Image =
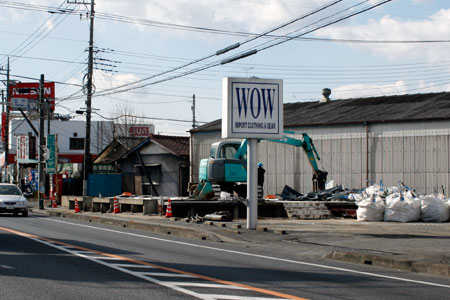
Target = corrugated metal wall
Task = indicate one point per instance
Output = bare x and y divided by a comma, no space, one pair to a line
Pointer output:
415,153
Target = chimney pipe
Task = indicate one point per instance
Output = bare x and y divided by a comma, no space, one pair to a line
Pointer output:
326,92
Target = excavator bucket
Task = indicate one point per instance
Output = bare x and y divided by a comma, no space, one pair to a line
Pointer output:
204,191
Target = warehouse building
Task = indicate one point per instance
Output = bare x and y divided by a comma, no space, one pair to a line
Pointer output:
360,141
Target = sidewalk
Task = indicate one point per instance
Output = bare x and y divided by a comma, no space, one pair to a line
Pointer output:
415,247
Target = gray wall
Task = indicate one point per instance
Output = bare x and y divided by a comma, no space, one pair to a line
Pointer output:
415,153
170,171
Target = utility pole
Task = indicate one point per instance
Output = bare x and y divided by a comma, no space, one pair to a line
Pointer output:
7,123
193,112
87,162
41,142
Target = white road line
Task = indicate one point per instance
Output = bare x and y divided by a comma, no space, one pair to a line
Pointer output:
257,255
98,257
159,274
133,266
112,266
209,285
231,297
6,267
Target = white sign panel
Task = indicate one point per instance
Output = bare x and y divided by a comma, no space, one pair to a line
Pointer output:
18,103
252,108
22,148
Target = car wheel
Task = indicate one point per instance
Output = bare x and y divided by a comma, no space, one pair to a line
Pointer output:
15,214
25,214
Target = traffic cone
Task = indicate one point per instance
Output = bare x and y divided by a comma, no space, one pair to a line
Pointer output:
169,209
77,209
116,206
54,205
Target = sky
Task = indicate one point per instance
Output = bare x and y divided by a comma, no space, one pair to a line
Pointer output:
152,57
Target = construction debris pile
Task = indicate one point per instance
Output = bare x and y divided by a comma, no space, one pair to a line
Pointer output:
399,204
333,193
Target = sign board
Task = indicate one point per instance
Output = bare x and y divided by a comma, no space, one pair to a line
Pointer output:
139,131
52,145
252,108
22,148
19,103
25,95
25,149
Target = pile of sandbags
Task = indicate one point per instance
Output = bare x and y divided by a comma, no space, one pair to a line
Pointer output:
398,204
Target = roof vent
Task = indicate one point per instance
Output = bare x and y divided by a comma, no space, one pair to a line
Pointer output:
326,92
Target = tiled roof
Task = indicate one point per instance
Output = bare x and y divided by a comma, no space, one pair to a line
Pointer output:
117,148
414,107
178,145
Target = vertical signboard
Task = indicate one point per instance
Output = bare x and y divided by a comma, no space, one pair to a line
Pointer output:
52,145
252,108
23,154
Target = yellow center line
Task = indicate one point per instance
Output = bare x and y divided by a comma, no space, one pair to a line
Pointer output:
132,260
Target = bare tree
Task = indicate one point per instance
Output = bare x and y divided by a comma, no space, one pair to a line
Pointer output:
126,118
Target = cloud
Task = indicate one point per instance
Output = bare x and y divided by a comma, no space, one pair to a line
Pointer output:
399,87
104,80
363,90
253,16
436,27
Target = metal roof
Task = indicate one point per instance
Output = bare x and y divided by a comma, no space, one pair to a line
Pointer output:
396,108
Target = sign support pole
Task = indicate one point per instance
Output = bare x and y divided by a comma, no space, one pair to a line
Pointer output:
252,184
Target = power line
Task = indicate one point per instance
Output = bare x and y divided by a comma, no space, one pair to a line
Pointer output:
229,59
36,79
37,36
44,59
224,50
147,118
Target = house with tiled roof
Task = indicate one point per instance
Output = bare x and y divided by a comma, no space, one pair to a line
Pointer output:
156,165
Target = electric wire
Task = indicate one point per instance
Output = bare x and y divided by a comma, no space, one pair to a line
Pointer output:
37,36
202,68
214,54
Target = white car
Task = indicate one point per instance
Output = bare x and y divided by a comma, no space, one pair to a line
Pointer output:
12,200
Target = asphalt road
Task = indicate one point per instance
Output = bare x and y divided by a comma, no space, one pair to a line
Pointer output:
54,258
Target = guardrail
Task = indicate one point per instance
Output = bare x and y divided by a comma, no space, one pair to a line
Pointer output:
145,205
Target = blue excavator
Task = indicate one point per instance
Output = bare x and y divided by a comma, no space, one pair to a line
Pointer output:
226,168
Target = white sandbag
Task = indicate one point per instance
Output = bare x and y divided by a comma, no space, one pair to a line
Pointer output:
373,189
380,190
434,208
370,208
402,207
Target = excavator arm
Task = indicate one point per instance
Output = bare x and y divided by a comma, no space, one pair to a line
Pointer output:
307,145
319,177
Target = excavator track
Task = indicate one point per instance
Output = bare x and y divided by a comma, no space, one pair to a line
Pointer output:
217,190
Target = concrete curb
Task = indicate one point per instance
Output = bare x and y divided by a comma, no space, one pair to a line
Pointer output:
393,263
192,233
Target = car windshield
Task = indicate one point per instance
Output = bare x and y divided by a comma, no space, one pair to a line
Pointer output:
9,190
